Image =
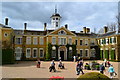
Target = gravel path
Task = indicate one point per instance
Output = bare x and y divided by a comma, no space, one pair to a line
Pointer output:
27,69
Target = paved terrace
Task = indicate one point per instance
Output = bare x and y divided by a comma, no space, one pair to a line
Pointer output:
27,69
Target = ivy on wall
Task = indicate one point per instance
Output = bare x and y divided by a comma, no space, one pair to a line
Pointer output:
106,54
48,51
56,51
101,54
74,50
112,53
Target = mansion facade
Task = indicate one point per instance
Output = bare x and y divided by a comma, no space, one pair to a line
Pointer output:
60,43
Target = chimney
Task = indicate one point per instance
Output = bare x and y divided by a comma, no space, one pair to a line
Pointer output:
45,25
84,29
88,30
105,29
25,26
6,21
66,26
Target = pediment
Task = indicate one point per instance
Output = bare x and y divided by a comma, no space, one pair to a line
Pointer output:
62,31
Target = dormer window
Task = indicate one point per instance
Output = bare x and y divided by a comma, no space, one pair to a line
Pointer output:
62,32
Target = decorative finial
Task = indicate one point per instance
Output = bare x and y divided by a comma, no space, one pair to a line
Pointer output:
55,9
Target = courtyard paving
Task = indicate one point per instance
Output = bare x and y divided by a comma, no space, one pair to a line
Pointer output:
27,69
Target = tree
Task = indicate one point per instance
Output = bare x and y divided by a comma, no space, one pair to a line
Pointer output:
118,21
101,30
111,26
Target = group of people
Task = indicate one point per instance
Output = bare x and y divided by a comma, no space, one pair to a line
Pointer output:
110,68
52,65
79,66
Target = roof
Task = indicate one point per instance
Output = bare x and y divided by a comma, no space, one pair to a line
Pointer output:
107,34
93,35
56,14
4,26
32,32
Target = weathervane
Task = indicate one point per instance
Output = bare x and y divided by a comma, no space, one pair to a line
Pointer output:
55,9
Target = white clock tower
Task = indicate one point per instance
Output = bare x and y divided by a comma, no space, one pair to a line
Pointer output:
55,20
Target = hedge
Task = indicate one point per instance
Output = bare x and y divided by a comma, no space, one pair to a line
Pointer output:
8,56
93,76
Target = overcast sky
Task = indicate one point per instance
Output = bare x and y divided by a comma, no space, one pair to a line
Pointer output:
75,14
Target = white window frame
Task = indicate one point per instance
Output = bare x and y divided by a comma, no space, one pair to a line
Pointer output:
28,40
53,42
113,40
39,52
62,42
86,42
20,40
36,52
52,55
82,52
82,42
41,40
106,41
93,50
75,41
87,52
70,41
19,52
101,40
35,42
27,53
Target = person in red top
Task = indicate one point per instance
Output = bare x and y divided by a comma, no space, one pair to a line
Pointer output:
108,64
38,63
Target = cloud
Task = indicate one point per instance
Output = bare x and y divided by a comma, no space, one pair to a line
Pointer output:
75,14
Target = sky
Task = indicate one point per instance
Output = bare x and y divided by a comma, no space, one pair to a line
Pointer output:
76,14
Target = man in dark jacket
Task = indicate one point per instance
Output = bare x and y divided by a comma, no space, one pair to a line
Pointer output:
102,68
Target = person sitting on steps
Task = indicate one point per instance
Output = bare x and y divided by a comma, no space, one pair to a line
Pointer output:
60,65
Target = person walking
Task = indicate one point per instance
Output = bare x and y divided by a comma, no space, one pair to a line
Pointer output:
52,66
111,71
105,62
79,68
38,63
74,58
102,68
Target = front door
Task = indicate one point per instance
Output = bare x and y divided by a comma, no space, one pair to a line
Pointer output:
62,55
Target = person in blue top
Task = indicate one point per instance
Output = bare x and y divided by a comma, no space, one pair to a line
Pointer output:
111,71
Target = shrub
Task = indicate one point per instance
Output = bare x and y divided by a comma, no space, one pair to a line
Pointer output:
8,56
93,76
97,67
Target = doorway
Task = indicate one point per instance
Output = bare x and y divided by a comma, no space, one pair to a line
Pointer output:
62,55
